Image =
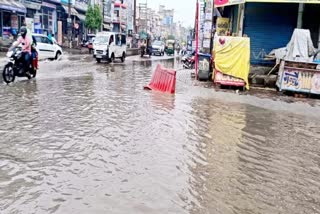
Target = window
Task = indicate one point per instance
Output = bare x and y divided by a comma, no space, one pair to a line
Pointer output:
38,39
111,40
123,39
118,39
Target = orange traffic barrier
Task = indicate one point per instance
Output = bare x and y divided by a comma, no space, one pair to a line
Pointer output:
163,80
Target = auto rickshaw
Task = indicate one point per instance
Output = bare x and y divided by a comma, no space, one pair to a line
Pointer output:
170,47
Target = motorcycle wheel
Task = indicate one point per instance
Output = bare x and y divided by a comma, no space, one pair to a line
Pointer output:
34,74
8,74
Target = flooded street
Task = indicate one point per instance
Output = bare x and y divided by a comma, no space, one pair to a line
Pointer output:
86,138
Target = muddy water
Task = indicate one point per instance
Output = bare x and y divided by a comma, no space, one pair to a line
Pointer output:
85,138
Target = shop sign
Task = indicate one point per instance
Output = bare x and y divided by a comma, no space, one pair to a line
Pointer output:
14,21
33,4
295,80
315,84
46,4
81,4
222,26
66,2
29,23
36,18
222,3
108,10
60,32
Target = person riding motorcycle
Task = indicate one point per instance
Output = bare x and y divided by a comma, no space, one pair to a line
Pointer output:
25,41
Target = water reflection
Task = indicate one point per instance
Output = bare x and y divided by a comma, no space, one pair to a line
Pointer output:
89,139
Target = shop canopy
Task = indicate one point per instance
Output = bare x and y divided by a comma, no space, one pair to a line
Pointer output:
222,3
74,12
12,5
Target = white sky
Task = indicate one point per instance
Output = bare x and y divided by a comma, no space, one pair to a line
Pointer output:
184,9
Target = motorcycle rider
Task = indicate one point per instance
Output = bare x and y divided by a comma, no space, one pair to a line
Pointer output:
26,48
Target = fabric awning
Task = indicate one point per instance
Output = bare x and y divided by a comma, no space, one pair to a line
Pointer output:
74,12
12,6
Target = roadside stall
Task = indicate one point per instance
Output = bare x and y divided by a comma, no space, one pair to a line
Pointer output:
231,61
170,47
298,71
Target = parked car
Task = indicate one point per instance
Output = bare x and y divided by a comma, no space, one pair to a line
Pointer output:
89,43
158,48
46,48
110,46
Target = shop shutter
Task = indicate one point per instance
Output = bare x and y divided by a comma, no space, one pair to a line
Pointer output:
269,26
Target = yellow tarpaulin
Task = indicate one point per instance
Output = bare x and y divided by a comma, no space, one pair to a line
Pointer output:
232,56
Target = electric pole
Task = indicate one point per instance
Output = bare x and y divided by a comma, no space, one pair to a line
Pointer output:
69,23
135,16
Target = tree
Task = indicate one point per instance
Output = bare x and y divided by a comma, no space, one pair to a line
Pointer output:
93,18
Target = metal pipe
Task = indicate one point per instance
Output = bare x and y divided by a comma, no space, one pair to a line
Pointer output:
300,15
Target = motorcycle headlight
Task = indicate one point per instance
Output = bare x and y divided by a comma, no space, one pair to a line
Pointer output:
9,54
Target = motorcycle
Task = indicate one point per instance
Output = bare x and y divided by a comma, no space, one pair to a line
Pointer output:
147,51
15,67
189,62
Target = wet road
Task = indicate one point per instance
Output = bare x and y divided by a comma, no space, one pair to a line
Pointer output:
85,138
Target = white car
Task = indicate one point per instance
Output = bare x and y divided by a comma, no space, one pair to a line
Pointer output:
46,48
158,48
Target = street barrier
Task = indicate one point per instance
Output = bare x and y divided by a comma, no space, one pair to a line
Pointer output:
163,80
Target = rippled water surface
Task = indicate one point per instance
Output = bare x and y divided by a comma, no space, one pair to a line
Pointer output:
85,138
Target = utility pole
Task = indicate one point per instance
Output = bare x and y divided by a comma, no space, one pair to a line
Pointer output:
69,24
135,16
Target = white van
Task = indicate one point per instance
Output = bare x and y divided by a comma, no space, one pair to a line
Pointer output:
110,46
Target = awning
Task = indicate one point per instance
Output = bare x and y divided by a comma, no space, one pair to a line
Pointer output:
81,17
12,6
223,3
73,11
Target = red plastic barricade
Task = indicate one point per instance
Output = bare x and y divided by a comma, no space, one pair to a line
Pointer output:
163,80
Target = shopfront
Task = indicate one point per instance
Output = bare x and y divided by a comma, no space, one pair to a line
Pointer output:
12,15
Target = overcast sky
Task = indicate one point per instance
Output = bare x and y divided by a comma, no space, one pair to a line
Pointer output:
185,13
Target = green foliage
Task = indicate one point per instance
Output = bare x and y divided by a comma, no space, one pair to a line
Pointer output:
93,18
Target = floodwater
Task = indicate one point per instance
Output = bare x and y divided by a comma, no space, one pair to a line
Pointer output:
85,138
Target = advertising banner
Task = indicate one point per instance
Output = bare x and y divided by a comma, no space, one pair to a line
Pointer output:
222,3
107,10
222,26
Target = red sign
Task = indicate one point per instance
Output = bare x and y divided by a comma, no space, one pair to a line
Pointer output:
221,3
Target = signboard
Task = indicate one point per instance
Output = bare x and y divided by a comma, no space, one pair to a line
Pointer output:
14,21
222,3
315,84
33,4
60,32
300,81
108,10
222,26
29,23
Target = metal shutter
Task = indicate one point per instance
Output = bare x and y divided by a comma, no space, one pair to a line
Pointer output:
269,26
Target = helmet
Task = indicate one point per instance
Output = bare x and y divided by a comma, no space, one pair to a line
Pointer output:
23,31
